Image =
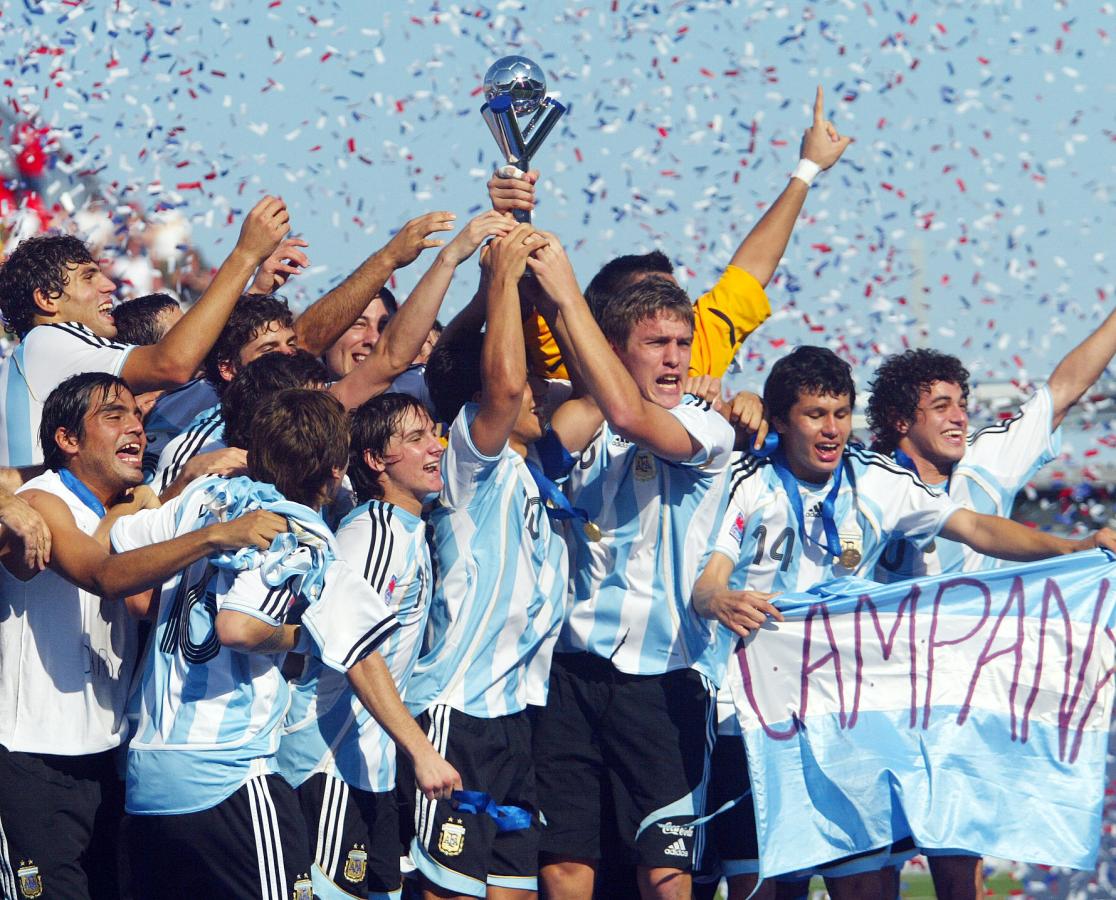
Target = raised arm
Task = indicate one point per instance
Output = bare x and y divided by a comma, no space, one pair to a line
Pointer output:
1005,539
503,357
407,330
177,357
374,687
607,380
760,251
1081,368
324,322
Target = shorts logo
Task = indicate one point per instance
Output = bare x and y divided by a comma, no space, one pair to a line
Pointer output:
356,865
678,848
303,889
30,881
644,466
451,840
671,828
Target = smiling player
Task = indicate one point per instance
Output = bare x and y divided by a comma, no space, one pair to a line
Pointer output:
815,509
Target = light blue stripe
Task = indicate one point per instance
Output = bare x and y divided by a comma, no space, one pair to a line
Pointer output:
970,787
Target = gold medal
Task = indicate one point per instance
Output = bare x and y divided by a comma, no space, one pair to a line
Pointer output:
850,557
592,531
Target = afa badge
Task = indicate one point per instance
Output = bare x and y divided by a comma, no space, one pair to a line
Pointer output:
303,889
356,865
30,881
644,466
451,839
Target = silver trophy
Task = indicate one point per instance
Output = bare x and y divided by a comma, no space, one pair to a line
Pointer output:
515,86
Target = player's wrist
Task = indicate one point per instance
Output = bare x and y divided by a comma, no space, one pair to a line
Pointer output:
806,170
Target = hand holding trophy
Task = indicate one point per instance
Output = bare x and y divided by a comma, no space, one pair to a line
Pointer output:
515,86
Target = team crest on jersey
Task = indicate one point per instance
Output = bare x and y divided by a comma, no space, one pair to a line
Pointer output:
644,466
356,864
737,530
390,589
303,889
30,881
451,839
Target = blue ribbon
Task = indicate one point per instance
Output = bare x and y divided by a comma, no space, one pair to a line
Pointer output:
507,818
832,543
79,490
907,463
556,504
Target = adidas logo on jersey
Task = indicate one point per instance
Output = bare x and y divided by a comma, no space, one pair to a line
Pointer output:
678,848
814,511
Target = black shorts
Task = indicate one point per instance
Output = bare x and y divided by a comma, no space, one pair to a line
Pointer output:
733,832
250,845
59,821
354,838
639,743
464,852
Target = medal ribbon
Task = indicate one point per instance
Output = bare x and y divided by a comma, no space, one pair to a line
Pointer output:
832,543
79,490
556,504
907,463
507,818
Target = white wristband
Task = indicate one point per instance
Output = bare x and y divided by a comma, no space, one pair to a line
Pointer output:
806,170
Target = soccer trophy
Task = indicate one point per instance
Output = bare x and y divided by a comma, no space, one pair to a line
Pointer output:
515,86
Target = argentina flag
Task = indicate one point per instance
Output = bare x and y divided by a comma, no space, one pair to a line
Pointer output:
968,711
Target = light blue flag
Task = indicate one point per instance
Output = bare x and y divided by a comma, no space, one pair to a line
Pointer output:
969,711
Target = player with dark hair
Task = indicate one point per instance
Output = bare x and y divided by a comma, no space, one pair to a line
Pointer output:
918,413
340,759
202,767
68,646
816,509
145,320
59,302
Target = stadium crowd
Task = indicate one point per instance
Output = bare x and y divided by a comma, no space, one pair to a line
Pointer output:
355,605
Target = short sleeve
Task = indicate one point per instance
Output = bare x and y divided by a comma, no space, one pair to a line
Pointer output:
735,307
730,533
463,466
1014,449
249,594
348,620
146,527
915,512
55,352
709,429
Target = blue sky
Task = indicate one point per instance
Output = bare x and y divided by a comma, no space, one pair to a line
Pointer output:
973,212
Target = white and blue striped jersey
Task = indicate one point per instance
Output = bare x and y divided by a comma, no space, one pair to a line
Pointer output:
998,462
631,590
47,356
204,434
66,655
500,591
878,501
210,717
327,728
171,415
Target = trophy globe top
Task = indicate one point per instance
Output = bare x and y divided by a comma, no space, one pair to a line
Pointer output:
519,77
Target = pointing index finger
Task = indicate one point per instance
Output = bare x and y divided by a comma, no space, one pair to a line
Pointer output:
819,107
